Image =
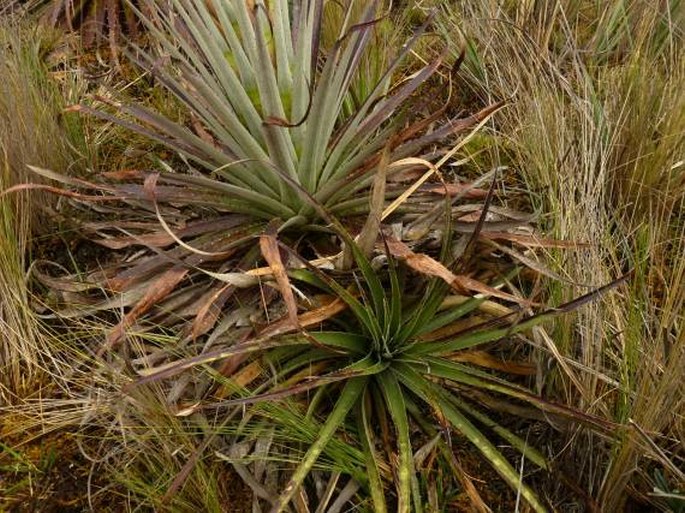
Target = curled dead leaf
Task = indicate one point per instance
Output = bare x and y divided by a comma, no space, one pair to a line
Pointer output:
269,247
431,267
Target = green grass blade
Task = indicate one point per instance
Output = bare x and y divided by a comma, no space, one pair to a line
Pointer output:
395,308
451,315
287,362
439,320
477,378
372,281
469,340
499,463
425,310
460,373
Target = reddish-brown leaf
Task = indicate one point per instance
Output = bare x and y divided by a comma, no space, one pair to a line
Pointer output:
431,267
305,320
484,359
269,246
210,310
157,291
455,189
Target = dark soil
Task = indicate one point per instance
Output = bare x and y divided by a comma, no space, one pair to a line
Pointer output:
51,477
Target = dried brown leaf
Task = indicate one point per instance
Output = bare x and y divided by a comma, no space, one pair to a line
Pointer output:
431,267
157,291
210,310
534,241
307,319
369,233
484,359
269,247
456,189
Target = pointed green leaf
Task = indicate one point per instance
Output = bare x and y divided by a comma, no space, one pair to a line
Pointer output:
348,398
366,437
435,397
394,400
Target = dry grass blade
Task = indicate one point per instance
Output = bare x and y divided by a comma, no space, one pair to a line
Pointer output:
479,119
533,264
590,82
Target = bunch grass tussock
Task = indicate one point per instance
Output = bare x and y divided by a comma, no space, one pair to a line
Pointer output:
33,131
596,127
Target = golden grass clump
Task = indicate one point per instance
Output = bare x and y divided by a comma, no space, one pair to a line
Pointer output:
595,125
33,131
